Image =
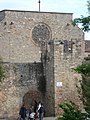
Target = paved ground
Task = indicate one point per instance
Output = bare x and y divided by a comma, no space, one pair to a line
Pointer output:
49,118
45,118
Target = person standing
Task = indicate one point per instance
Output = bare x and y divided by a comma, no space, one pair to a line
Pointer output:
22,112
35,106
39,105
41,112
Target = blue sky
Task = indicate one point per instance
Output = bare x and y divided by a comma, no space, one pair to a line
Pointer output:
77,7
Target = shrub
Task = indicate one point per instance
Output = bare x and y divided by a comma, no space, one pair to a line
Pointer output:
84,70
71,112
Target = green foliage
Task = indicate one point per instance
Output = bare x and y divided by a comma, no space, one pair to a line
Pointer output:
88,5
71,112
85,85
2,72
83,69
87,108
85,21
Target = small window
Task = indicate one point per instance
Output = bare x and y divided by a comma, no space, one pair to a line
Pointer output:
68,46
65,46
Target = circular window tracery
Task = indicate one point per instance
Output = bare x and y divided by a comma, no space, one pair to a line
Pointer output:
40,33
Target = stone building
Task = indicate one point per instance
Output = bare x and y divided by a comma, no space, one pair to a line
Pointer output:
38,51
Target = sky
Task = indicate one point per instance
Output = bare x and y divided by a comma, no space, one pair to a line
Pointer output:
77,7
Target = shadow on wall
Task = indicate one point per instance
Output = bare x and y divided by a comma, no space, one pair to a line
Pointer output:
30,97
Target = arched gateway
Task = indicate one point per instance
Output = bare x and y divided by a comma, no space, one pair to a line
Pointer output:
30,97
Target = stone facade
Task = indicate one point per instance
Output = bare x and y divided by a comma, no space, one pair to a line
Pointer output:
87,48
36,46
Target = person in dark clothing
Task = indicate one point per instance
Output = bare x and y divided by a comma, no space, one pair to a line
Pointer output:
35,106
22,112
41,112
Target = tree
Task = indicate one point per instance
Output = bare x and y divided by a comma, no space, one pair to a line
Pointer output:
85,21
88,5
84,70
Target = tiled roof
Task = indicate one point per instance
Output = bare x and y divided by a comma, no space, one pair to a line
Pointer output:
87,45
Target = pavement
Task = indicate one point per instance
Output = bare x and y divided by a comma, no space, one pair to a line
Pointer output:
49,118
45,118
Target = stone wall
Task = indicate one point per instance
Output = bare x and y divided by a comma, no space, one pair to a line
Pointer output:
66,57
19,81
28,40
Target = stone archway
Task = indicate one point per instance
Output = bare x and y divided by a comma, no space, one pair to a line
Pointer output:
30,96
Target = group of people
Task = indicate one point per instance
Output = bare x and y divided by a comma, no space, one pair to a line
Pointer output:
37,112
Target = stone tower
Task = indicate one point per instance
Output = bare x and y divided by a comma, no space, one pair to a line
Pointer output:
38,51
